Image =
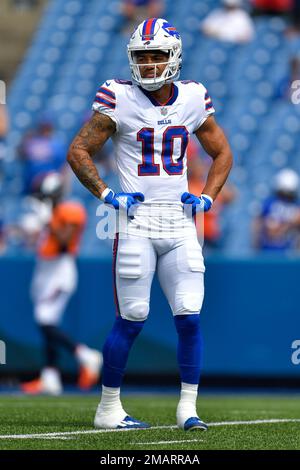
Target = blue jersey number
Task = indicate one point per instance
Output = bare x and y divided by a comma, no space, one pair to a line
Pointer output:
148,167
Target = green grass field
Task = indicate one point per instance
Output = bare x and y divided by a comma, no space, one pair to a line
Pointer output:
35,423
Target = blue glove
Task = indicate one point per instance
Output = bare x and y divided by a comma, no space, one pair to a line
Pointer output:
202,203
121,200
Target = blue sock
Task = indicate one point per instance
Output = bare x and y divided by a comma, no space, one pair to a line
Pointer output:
116,350
189,347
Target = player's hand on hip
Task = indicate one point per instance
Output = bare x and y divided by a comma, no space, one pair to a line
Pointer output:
121,200
201,203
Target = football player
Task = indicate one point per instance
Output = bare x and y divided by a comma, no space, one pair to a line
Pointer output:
54,282
150,119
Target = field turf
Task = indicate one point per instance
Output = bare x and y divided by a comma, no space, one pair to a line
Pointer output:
66,422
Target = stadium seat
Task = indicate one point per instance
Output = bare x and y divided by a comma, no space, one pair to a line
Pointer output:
80,44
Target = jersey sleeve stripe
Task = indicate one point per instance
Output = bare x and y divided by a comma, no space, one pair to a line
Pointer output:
104,102
105,97
208,102
107,92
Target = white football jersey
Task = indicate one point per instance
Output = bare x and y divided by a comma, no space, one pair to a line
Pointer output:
150,147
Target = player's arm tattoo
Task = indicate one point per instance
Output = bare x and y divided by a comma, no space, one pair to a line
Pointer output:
87,142
214,142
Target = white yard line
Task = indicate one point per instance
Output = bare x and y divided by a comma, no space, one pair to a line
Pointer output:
44,405
256,421
60,438
166,442
103,431
76,433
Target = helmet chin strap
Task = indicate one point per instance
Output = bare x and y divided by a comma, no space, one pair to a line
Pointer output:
152,86
157,86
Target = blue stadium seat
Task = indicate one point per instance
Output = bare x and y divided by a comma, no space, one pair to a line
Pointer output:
80,44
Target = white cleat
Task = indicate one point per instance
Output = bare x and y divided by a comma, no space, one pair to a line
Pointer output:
194,423
188,419
48,383
109,420
91,362
51,382
112,422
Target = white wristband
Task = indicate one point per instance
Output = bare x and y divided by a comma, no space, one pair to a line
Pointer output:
105,193
208,197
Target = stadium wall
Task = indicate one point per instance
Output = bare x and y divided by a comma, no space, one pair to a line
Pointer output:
250,318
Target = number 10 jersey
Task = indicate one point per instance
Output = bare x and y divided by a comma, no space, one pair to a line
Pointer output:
150,144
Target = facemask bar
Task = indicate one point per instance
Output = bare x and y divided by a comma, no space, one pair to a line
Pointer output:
171,72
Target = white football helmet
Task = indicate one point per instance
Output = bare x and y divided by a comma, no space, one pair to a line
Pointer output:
287,181
155,34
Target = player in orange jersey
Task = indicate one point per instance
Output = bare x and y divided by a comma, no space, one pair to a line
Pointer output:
54,282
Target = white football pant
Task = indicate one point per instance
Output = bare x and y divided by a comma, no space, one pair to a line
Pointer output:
54,282
180,268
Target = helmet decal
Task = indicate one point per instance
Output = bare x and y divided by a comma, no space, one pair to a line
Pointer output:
170,30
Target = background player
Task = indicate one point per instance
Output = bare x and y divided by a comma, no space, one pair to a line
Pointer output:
54,282
150,120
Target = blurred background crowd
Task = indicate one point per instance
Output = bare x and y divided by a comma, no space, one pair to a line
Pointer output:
247,53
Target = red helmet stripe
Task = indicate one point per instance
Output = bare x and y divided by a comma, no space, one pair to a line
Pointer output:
148,28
